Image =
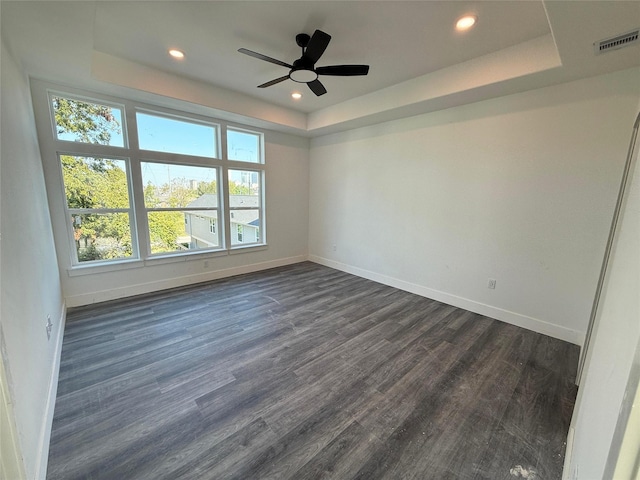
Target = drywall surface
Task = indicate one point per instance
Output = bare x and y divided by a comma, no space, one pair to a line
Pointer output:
31,288
11,464
519,189
615,339
287,197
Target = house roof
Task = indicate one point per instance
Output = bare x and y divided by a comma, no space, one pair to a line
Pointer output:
243,217
210,200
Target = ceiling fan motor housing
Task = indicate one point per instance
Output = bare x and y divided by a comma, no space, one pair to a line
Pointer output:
302,39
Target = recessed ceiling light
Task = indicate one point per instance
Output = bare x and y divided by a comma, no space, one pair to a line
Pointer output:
466,22
296,95
175,53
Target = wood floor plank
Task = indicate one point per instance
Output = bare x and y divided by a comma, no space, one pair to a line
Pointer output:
339,457
532,431
205,459
303,372
302,442
423,441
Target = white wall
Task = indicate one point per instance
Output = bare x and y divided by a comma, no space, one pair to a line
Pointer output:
519,188
30,281
287,200
615,341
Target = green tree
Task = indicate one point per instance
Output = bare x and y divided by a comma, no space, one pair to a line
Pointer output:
150,195
89,122
77,186
239,189
178,193
164,230
207,187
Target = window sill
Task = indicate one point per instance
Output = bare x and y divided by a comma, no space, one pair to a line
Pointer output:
79,270
247,248
183,257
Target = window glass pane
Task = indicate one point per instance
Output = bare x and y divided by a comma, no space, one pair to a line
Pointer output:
243,146
244,193
245,226
104,236
95,182
163,134
177,186
182,231
244,188
86,122
199,225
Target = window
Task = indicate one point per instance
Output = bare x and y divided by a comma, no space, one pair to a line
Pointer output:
99,206
243,146
86,122
164,134
245,203
173,192
165,197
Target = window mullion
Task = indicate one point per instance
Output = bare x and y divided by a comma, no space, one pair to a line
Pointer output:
224,190
139,215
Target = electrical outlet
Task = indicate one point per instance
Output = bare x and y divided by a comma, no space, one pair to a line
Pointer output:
206,264
491,283
334,247
49,327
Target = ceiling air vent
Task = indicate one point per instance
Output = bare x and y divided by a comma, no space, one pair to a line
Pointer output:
619,41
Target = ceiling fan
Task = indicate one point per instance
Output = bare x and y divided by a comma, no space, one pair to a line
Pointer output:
303,69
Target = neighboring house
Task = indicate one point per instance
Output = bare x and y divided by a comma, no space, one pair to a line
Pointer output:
203,226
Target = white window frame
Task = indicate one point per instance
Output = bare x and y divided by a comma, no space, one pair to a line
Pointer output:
247,167
185,209
72,211
52,147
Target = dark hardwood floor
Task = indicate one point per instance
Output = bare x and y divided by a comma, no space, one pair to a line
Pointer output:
305,372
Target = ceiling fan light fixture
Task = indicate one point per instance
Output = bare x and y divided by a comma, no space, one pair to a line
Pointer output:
466,22
303,75
175,53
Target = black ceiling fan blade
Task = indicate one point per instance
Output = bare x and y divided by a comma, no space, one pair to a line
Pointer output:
264,57
317,87
343,70
317,45
273,82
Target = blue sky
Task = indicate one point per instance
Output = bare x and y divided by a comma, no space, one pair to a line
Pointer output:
175,136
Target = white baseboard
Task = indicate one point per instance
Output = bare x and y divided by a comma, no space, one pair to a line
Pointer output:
524,321
131,290
45,430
